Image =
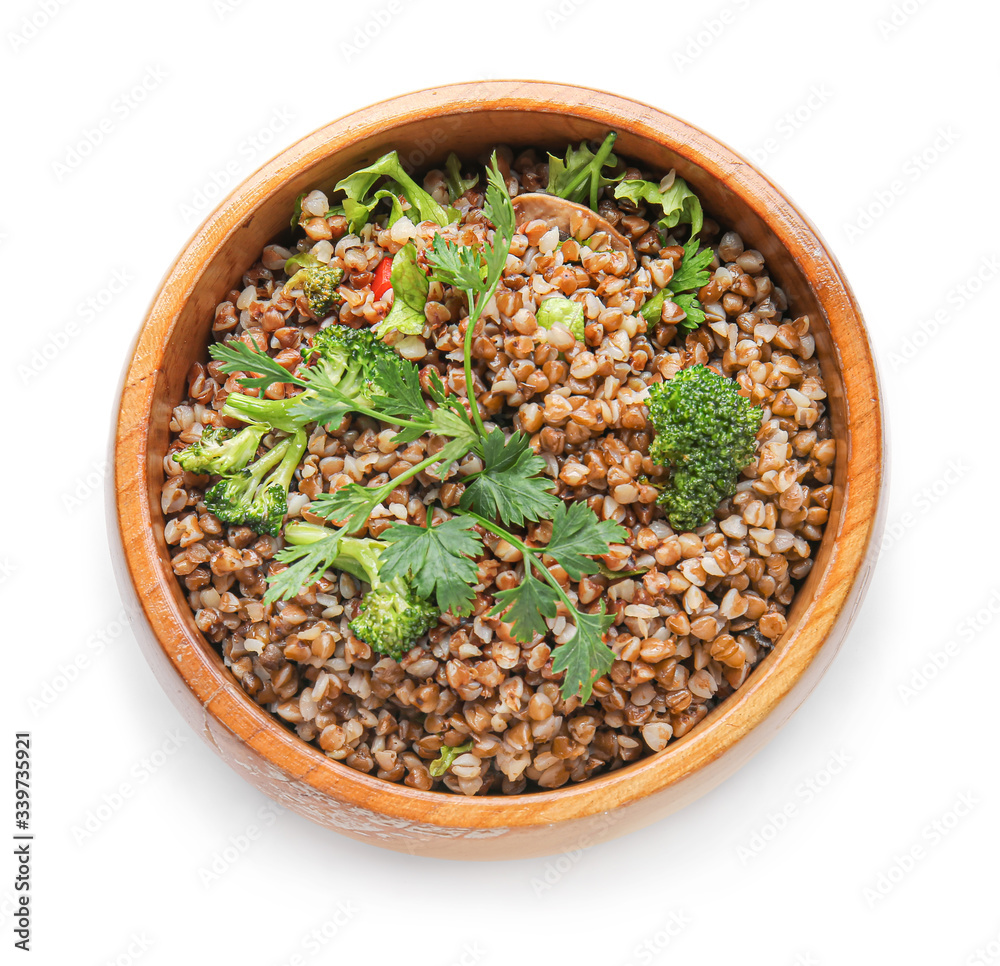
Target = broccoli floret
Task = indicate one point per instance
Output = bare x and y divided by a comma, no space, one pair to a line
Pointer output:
340,378
348,358
252,497
705,433
319,286
393,617
221,451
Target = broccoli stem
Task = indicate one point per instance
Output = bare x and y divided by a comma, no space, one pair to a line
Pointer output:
392,616
276,413
281,413
358,556
290,461
300,533
269,460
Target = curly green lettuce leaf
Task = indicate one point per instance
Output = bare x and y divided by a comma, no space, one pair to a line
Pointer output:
358,213
567,313
356,187
297,210
679,203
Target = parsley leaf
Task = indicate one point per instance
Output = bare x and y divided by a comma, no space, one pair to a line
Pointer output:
499,210
577,531
401,385
467,268
477,273
692,273
578,177
527,605
508,486
439,560
237,356
352,505
585,656
306,564
456,265
694,314
409,287
405,400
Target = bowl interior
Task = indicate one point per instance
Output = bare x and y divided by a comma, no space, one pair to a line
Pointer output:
258,212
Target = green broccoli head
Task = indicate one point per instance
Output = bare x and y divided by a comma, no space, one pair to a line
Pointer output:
257,497
319,285
269,508
393,617
350,360
343,376
221,451
705,433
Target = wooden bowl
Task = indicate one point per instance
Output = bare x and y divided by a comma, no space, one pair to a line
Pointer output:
424,127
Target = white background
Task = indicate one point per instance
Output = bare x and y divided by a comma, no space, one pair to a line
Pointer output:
867,830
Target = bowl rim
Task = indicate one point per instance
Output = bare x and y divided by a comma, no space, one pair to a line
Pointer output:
773,678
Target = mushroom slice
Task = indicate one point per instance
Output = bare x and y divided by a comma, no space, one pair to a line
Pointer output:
572,220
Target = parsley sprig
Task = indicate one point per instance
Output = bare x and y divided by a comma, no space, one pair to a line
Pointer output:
440,557
691,275
576,533
477,272
398,401
237,356
352,505
306,563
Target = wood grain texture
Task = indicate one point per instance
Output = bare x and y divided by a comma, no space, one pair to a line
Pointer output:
424,127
